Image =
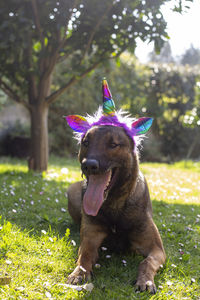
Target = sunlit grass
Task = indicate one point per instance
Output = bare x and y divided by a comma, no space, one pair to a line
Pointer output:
178,183
39,243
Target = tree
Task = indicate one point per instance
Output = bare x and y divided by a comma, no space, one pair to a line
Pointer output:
191,57
165,55
36,35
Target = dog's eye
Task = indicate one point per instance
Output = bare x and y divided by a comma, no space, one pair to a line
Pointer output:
85,143
113,145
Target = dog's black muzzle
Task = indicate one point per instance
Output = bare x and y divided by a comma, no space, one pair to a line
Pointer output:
90,166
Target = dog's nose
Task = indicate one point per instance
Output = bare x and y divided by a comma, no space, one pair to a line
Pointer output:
90,165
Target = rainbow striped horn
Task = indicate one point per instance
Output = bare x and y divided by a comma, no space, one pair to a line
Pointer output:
108,103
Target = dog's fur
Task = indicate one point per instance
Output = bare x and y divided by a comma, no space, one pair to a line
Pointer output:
126,213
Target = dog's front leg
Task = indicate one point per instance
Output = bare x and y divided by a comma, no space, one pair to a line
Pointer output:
147,270
149,244
91,238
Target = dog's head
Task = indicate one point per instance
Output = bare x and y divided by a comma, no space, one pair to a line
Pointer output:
107,150
106,155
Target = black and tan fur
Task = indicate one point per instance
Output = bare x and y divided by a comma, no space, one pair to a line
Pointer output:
126,213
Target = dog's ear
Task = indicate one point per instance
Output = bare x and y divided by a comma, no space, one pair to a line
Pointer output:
77,123
141,126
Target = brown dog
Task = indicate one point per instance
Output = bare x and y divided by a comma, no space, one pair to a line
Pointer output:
114,201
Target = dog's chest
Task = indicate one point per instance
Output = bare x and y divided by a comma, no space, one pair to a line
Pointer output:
116,223
122,223
119,229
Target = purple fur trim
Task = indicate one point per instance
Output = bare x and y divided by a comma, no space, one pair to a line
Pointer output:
120,119
113,121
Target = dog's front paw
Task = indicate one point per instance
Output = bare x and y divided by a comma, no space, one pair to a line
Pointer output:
145,285
78,276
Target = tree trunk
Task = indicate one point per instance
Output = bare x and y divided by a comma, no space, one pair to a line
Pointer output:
38,160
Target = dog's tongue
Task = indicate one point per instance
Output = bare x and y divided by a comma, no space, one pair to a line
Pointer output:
94,195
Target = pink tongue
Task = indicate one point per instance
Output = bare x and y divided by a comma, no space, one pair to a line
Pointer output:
94,195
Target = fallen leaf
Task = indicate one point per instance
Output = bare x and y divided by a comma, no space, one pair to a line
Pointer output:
88,287
44,231
97,266
20,288
8,262
48,295
73,242
103,248
71,286
169,283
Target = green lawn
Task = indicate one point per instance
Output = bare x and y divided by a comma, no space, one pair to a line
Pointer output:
39,242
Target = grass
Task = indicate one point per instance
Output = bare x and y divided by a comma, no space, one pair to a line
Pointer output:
39,243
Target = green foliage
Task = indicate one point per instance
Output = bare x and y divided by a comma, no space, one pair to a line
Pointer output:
36,35
82,98
47,44
173,90
167,92
36,233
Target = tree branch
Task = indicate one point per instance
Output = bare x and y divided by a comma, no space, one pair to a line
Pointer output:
52,98
67,24
61,42
49,64
37,22
12,94
63,58
96,28
31,77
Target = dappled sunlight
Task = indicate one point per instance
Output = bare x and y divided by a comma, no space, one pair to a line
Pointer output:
33,201
65,170
34,263
40,198
64,175
9,167
171,184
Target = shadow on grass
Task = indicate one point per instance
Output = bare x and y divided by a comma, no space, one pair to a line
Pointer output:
34,204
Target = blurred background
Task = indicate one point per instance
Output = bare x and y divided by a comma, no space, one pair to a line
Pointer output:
53,55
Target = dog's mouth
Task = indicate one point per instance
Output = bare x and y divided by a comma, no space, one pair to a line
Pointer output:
97,191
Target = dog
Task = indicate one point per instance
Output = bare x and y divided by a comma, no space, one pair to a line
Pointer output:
113,202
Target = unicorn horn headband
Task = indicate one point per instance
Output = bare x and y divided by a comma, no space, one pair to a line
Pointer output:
108,103
109,116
